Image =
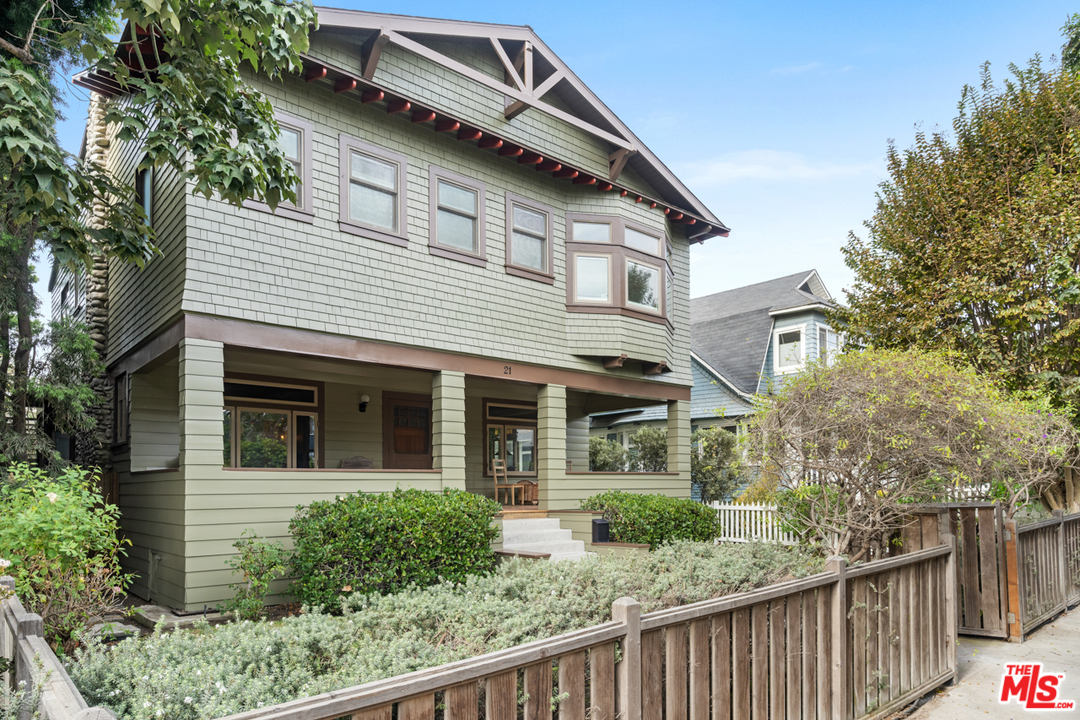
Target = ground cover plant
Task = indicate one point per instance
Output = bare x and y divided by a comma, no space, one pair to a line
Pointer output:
384,542
653,519
215,671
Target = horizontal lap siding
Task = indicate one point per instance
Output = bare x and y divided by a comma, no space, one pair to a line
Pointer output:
155,428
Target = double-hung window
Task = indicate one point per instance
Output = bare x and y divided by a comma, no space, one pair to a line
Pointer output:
373,191
294,139
618,267
828,344
457,217
529,251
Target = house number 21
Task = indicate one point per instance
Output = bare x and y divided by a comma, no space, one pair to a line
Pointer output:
508,370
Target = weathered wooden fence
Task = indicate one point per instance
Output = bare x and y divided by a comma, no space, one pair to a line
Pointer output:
747,522
848,643
32,660
1046,559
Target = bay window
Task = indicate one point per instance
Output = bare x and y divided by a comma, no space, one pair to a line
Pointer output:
618,266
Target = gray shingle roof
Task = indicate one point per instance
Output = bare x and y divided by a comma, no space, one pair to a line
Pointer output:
730,330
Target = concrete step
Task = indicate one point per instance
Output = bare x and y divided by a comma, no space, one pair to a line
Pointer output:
555,548
530,524
538,536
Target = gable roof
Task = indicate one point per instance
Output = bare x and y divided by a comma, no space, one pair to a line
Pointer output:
543,72
731,330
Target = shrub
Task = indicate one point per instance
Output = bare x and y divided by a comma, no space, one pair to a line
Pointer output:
61,539
258,562
385,542
653,519
712,463
236,667
605,455
648,450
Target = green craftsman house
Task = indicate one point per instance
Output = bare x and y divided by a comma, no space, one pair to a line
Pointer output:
482,255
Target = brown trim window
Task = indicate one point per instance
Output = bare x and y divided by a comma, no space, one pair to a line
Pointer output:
457,218
618,266
267,424
406,431
295,141
144,191
373,192
121,408
529,246
510,429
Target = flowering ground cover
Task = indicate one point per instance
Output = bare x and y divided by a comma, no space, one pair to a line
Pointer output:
211,672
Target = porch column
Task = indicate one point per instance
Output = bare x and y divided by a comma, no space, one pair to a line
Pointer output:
551,446
448,427
202,388
678,433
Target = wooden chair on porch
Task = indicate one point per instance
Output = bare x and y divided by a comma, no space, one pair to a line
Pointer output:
497,467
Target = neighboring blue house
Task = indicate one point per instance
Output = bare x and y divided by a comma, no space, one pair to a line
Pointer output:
743,342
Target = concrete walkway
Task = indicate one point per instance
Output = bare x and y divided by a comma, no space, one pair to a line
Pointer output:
982,663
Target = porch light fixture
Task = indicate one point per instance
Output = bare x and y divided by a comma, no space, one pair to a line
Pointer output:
364,400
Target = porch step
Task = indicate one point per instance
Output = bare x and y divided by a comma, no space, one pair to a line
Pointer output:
544,535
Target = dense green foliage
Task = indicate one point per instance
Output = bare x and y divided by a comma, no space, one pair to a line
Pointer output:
648,450
213,672
384,542
653,519
857,441
61,541
259,563
713,463
606,455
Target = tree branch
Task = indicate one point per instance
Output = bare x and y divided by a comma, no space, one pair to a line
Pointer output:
23,53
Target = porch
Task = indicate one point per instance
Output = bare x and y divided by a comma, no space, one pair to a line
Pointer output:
222,438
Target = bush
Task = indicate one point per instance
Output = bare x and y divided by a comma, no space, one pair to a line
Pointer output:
653,519
378,543
605,455
712,461
258,562
61,540
648,450
216,671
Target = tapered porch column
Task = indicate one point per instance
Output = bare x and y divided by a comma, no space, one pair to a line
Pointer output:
448,427
551,445
678,433
202,388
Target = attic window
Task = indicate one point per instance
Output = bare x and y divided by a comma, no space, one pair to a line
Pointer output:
805,287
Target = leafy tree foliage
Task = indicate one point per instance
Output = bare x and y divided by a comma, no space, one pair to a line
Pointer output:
179,67
1070,51
856,442
605,455
648,450
712,463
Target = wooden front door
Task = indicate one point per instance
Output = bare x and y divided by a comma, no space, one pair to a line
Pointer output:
406,431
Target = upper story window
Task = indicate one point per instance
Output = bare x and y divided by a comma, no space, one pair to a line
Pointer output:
620,265
457,222
529,247
829,344
373,191
295,142
789,353
144,192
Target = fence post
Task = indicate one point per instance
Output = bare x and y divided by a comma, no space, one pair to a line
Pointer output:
1060,515
1016,625
951,603
841,703
8,643
628,674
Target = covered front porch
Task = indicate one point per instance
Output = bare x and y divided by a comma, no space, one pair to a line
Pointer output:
222,438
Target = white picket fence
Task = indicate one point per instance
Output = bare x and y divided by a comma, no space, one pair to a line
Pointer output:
746,522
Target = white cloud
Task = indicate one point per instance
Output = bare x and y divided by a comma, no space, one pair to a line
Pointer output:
796,69
771,165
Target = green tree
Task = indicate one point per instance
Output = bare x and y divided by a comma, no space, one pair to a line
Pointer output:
855,443
178,67
606,456
1070,51
974,246
648,450
712,463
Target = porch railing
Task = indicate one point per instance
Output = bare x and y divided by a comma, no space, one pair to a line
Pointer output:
748,522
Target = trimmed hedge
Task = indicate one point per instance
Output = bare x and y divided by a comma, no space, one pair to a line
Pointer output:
385,542
653,519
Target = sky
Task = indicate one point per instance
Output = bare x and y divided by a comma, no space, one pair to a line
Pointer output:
776,115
